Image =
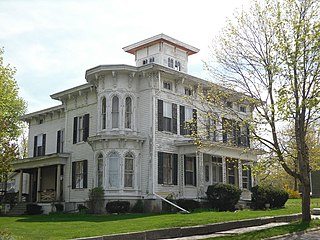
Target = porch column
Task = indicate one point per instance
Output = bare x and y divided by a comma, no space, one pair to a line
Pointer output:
240,174
200,181
38,184
224,170
20,186
58,188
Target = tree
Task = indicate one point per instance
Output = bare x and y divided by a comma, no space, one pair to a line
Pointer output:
12,107
271,53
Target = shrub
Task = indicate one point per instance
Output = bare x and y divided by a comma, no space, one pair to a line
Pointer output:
33,209
118,207
293,194
188,204
268,195
95,202
59,207
137,207
82,208
223,197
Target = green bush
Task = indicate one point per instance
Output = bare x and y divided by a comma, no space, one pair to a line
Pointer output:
223,197
268,195
118,207
59,207
137,207
33,209
188,204
96,199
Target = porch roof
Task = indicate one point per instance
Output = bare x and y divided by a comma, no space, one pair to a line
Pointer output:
40,161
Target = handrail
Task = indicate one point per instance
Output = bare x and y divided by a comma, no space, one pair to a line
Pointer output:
171,203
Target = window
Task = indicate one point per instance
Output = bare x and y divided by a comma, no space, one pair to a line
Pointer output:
41,121
114,176
167,85
229,104
151,60
100,171
188,91
145,61
211,126
243,109
60,141
167,116
190,170
128,113
128,170
177,65
244,136
80,128
170,62
232,171
217,174
188,120
79,174
39,145
103,113
167,168
230,131
115,112
246,176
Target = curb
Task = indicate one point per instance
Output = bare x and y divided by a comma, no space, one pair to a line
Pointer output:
195,230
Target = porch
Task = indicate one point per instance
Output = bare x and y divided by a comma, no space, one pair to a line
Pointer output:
40,178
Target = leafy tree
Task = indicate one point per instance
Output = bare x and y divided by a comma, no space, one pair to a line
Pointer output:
271,53
11,109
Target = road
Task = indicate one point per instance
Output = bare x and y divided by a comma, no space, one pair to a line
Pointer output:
314,235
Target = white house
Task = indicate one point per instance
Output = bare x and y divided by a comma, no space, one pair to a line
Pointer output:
123,130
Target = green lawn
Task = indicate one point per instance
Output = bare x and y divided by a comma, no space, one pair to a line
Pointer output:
66,226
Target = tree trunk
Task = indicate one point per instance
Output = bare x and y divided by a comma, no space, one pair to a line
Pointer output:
306,215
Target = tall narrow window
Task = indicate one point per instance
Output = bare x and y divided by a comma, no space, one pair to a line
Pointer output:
167,116
128,170
216,169
103,113
80,128
39,148
232,171
128,113
190,170
114,170
115,112
60,141
246,176
79,174
167,168
100,171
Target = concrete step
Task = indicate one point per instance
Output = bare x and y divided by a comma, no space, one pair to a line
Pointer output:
18,209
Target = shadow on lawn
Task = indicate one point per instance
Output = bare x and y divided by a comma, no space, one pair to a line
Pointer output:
75,217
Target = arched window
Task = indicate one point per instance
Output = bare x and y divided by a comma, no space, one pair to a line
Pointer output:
114,170
128,170
103,113
115,112
100,171
128,113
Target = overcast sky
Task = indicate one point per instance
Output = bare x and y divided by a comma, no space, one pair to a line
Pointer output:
52,43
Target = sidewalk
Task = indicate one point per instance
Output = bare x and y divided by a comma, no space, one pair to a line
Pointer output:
203,231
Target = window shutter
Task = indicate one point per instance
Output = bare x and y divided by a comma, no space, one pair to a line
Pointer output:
58,141
75,129
248,136
160,115
182,119
35,146
175,169
43,144
73,175
85,173
160,167
224,131
195,117
174,118
184,169
85,127
195,171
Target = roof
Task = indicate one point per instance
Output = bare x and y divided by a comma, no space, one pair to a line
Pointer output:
160,38
42,112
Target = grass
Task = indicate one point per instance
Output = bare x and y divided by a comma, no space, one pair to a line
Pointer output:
276,231
66,226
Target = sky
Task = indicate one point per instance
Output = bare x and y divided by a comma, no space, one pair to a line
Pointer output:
52,43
